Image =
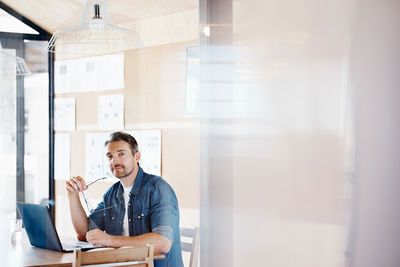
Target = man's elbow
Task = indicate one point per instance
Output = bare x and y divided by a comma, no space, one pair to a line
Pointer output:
165,245
81,237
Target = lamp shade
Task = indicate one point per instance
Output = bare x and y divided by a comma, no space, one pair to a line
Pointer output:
95,35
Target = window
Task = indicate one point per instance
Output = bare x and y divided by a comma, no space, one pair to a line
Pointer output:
24,114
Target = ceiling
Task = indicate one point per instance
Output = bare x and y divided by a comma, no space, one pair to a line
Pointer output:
53,15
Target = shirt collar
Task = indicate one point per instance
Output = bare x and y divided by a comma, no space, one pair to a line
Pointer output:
138,182
136,185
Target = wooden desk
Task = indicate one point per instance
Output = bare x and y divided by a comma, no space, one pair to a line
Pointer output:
24,254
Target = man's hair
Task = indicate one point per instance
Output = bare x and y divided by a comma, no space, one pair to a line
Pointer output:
121,136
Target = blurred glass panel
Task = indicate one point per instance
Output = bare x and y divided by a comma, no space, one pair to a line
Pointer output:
36,123
24,159
278,135
8,83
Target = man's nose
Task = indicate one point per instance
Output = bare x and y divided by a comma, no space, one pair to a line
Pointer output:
113,161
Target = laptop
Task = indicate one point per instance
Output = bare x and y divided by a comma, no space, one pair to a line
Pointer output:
41,230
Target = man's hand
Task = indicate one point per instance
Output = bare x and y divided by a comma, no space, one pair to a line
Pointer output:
75,185
99,238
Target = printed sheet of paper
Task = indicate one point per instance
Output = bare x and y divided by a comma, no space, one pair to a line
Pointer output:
64,114
89,74
96,160
61,75
62,156
111,71
111,112
149,142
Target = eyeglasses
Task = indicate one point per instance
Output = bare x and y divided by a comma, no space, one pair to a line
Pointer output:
85,198
102,178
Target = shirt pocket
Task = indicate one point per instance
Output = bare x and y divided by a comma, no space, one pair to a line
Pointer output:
141,221
110,220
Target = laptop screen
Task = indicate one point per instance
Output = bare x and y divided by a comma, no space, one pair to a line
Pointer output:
39,226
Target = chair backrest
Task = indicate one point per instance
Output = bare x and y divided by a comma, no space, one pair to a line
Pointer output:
192,247
142,256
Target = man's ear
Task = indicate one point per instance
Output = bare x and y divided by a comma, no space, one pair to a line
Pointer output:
137,156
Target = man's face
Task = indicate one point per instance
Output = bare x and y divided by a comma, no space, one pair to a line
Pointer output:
122,162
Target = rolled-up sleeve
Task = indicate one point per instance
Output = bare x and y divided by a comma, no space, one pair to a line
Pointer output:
164,210
96,218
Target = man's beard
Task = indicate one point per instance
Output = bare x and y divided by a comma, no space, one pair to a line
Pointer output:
124,174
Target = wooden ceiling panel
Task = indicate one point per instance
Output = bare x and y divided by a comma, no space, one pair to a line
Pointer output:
49,14
123,11
53,15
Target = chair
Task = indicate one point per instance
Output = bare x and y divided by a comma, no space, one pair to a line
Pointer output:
192,247
125,256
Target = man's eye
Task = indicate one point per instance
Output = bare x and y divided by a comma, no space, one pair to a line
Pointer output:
121,154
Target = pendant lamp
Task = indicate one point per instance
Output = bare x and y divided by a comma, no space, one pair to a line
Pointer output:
95,35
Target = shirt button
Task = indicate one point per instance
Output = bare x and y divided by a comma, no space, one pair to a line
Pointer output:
138,217
129,204
112,218
129,219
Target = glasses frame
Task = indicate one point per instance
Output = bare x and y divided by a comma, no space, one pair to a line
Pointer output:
85,198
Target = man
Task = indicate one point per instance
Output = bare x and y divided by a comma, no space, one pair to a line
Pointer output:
140,209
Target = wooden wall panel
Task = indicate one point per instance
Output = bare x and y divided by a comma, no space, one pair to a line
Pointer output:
154,99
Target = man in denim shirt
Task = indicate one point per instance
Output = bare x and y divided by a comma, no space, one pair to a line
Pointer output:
140,209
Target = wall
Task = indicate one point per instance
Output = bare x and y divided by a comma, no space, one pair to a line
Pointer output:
154,99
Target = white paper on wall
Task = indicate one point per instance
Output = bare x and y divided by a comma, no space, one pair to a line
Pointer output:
64,114
149,142
111,112
61,74
96,160
111,72
75,77
61,156
90,74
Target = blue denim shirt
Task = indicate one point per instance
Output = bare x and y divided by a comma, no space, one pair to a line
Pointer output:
152,207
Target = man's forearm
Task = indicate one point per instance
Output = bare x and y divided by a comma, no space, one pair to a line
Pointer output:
78,216
161,243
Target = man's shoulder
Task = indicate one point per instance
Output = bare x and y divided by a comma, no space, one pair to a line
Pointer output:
152,180
158,188
156,183
112,189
